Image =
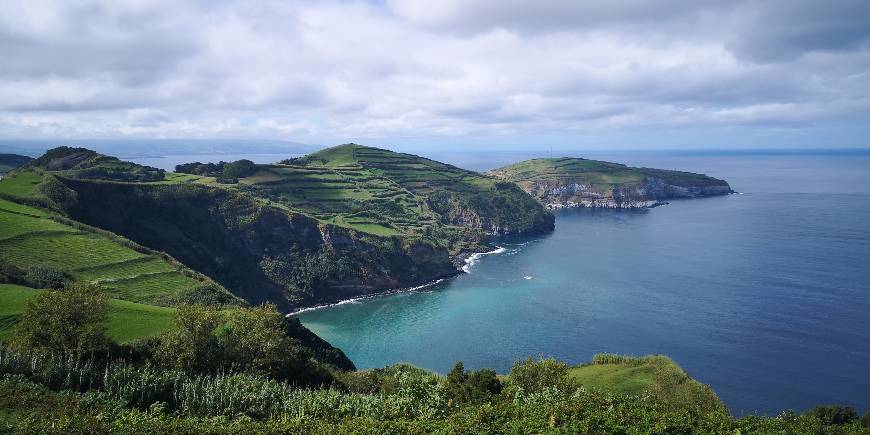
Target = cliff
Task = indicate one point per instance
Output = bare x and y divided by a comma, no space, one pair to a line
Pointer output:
260,252
345,222
574,182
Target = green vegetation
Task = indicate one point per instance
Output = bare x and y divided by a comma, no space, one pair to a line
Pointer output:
657,376
21,183
567,181
72,320
389,220
30,240
62,394
87,164
127,321
387,193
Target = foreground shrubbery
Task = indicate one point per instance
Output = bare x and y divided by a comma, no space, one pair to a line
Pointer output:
57,394
245,370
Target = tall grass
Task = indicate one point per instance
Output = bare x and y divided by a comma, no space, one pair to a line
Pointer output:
419,395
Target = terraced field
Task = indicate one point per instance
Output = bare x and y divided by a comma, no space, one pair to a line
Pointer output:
127,320
374,190
29,238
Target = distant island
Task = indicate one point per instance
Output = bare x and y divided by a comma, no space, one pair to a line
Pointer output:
574,182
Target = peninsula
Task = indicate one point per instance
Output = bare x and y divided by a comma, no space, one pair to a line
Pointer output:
574,182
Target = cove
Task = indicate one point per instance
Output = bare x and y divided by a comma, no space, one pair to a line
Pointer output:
762,295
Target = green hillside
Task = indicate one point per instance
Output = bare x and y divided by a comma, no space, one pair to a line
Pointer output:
127,320
387,193
88,164
30,238
592,183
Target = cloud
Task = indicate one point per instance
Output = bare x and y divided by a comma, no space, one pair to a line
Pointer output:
341,70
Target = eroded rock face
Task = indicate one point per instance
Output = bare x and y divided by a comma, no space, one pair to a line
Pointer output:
69,161
651,192
232,238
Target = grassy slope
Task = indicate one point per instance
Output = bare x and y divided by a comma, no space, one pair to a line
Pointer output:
384,192
656,375
29,238
127,320
21,183
615,378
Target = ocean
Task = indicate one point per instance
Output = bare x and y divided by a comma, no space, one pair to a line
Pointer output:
764,295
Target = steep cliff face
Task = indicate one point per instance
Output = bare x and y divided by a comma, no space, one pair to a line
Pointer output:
340,223
260,252
568,182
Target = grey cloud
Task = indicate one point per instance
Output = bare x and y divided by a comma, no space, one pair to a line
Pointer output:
783,30
133,49
331,70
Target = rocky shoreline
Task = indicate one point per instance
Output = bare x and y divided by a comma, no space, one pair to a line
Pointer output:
652,192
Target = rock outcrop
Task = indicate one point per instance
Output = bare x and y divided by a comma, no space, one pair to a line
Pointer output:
567,183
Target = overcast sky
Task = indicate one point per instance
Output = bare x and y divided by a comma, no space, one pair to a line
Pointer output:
451,73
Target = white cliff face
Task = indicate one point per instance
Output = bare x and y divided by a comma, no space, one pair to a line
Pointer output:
649,193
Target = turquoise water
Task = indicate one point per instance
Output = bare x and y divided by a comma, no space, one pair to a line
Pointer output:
763,295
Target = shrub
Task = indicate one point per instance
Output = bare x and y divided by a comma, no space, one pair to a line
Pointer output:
834,414
46,276
534,376
253,340
192,344
12,274
472,386
72,320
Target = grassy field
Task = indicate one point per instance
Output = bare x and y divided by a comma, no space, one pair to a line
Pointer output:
654,375
29,238
601,176
20,183
615,378
127,320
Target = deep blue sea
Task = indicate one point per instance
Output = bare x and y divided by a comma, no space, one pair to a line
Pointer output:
764,295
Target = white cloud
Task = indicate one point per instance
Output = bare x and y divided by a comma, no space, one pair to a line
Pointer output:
333,71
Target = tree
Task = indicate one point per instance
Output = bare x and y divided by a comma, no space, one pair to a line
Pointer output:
471,386
192,344
534,376
253,339
238,169
69,320
834,414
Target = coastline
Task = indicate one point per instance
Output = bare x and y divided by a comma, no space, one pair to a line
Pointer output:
371,296
467,260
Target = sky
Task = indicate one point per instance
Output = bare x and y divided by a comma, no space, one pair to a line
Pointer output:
451,74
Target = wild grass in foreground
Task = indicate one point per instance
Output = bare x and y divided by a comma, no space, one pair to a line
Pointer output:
63,394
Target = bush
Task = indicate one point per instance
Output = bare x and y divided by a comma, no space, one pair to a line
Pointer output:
192,344
238,169
250,340
46,276
72,320
534,376
12,274
834,414
473,386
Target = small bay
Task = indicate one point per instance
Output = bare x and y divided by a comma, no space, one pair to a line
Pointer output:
764,295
